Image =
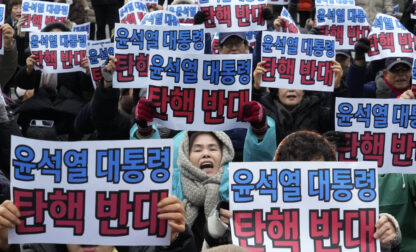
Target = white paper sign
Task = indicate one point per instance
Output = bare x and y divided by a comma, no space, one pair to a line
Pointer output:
334,2
289,24
278,2
2,17
133,44
298,61
346,23
226,16
132,12
38,14
90,192
379,130
304,206
82,28
98,53
58,52
184,12
389,38
199,92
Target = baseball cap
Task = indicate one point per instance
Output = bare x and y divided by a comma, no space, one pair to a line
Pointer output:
391,62
225,35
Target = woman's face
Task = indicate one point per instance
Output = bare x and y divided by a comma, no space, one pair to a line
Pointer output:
206,154
16,11
290,98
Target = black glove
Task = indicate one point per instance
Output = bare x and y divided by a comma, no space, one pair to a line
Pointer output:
267,14
336,138
200,17
317,30
361,47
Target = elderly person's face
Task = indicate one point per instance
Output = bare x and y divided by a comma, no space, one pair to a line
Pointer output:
290,98
399,76
206,154
233,45
16,11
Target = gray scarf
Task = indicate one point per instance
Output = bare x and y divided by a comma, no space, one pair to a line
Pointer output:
199,189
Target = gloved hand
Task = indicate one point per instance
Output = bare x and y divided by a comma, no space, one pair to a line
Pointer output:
317,30
267,14
145,112
200,17
361,47
19,24
255,114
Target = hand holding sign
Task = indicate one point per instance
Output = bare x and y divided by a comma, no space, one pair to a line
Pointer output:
385,230
361,47
8,33
171,209
9,215
30,63
408,95
258,73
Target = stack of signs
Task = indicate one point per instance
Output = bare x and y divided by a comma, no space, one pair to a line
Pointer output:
38,14
133,44
304,206
346,23
381,130
298,61
389,38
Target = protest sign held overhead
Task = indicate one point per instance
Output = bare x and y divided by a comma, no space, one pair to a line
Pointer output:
98,53
165,18
58,52
82,28
184,12
346,23
278,2
334,2
225,16
132,12
147,2
90,192
414,76
199,92
38,14
298,61
378,130
389,37
304,206
2,17
289,24
133,44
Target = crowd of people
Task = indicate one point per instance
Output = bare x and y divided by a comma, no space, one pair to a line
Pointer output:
285,125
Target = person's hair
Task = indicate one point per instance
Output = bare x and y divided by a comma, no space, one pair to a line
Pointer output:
194,134
11,4
151,7
56,25
305,146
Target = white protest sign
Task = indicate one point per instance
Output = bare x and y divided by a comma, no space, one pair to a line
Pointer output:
334,2
98,53
90,192
414,75
58,52
132,12
199,92
379,130
184,12
38,14
289,24
82,28
346,23
389,38
147,2
160,18
278,2
298,61
133,43
226,16
304,206
2,17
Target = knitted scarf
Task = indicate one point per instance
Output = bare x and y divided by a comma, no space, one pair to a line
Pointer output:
199,189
